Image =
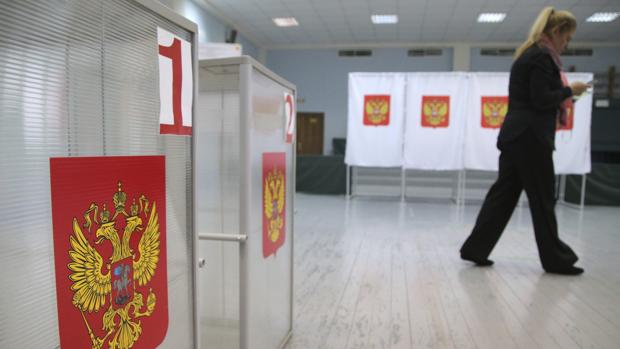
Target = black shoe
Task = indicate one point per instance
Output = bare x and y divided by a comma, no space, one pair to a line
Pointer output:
479,262
572,270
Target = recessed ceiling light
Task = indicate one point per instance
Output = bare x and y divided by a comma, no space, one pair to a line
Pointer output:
384,19
286,22
491,17
603,17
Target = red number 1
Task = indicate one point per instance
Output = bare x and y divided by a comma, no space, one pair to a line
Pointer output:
174,53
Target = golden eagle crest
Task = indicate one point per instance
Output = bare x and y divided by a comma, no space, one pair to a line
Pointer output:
494,111
274,203
115,280
435,112
376,110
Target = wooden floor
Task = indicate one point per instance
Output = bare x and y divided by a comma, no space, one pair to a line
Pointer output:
373,273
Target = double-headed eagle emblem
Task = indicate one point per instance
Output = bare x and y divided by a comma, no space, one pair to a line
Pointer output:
97,281
435,112
274,203
377,110
494,111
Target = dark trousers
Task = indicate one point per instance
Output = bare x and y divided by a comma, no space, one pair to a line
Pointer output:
524,164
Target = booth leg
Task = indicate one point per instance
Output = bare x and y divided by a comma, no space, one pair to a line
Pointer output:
348,195
562,190
403,184
583,192
462,187
353,180
455,187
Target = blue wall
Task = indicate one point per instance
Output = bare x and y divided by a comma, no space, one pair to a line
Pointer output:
601,59
321,77
249,48
489,63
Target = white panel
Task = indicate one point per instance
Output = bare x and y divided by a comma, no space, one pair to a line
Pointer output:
481,152
269,279
572,155
372,145
245,299
217,210
435,148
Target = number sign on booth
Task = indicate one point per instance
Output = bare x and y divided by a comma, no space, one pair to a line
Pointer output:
291,113
175,84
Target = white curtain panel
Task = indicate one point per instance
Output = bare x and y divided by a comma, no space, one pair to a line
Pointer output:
436,107
487,105
572,143
375,119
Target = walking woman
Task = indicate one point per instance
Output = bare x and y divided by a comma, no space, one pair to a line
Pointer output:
539,96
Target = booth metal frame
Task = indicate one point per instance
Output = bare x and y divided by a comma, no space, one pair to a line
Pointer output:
458,193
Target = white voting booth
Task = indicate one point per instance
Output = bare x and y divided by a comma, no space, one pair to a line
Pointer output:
447,122
245,281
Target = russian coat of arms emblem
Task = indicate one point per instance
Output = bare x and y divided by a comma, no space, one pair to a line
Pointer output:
493,110
110,254
274,202
435,111
377,110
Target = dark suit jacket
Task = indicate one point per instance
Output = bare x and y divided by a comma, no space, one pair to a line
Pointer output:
535,93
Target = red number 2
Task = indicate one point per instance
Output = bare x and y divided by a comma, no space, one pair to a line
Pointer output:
289,126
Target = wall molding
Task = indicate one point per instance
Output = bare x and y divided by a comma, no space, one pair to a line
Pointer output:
409,45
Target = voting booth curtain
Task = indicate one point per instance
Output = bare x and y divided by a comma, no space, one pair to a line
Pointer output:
435,121
376,115
447,121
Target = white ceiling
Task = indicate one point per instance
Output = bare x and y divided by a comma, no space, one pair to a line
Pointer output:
347,22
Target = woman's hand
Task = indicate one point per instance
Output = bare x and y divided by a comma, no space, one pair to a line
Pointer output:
579,87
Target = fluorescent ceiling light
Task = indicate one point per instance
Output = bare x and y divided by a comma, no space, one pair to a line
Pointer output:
491,17
384,19
603,17
286,22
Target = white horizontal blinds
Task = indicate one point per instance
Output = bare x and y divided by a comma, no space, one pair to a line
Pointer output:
572,142
79,78
50,105
375,119
435,121
486,109
131,107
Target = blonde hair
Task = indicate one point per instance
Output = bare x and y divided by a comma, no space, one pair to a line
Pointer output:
548,19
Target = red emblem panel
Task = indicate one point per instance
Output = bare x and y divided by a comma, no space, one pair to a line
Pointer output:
435,111
570,118
274,202
377,110
109,222
493,111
